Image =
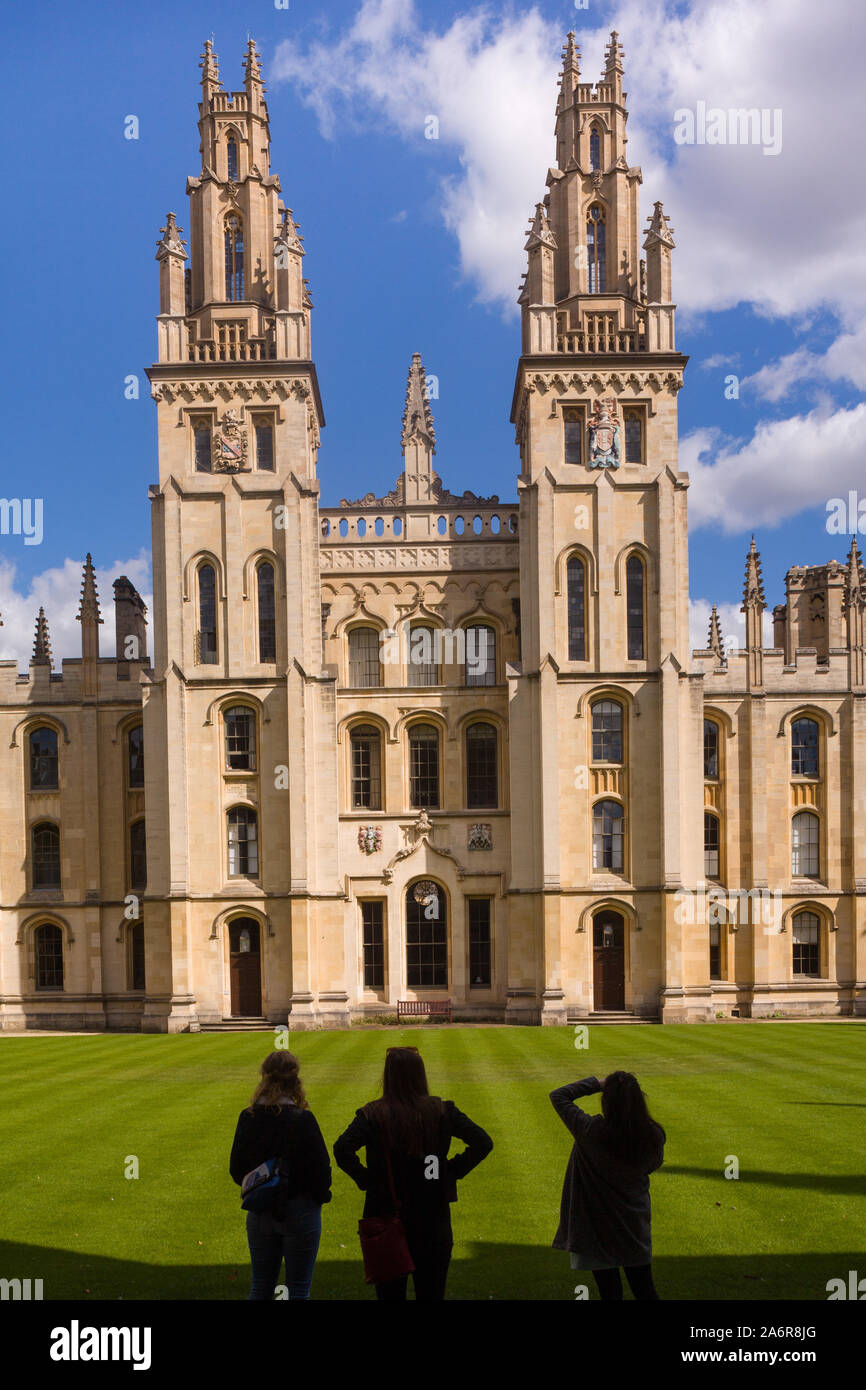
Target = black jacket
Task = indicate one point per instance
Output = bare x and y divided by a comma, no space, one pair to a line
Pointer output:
289,1133
424,1185
605,1211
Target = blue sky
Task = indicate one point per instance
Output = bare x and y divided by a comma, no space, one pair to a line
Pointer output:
768,272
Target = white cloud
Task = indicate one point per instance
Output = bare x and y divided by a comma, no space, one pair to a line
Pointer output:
744,230
844,361
58,591
786,467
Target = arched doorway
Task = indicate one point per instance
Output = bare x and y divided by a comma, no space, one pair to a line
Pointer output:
608,960
245,967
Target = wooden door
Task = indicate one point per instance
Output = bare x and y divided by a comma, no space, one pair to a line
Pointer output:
245,968
608,949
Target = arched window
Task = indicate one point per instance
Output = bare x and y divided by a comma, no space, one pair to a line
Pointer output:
711,845
572,426
634,587
711,749
234,244
480,655
424,765
595,148
202,446
805,845
45,841
633,437
243,843
806,943
482,773
267,612
426,936
607,731
207,623
232,158
137,855
135,756
365,668
43,760
607,836
422,664
135,955
366,743
596,250
575,572
48,943
804,748
240,726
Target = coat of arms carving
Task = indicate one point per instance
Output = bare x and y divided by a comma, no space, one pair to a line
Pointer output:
229,444
604,435
480,836
369,838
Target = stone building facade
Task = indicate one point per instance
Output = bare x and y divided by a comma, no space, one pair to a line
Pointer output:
431,745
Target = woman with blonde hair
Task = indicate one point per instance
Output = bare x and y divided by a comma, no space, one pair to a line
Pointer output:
279,1124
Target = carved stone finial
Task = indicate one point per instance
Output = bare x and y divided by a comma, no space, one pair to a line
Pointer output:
753,593
42,643
417,415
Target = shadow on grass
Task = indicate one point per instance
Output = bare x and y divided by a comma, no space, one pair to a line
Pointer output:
485,1272
838,1184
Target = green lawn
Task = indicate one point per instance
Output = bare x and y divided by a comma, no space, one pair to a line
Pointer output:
786,1099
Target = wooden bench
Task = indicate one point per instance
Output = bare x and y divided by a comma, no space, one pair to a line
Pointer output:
434,1008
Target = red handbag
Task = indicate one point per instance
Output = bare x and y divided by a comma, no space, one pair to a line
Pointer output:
383,1241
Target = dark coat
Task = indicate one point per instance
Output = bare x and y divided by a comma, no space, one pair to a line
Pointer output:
289,1133
605,1211
424,1188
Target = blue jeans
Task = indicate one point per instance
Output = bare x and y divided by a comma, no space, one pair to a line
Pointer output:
295,1239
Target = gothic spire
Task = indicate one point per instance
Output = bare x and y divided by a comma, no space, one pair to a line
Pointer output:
41,643
210,72
170,243
417,415
252,66
613,56
658,229
540,233
571,55
854,586
88,611
753,593
715,642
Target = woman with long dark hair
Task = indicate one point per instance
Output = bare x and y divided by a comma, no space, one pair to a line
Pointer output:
605,1214
278,1123
407,1134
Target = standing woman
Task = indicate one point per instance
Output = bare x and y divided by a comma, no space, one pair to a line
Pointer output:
410,1131
605,1215
278,1123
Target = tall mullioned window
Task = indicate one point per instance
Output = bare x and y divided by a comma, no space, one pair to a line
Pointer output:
424,766
45,842
232,158
234,249
426,938
267,612
805,845
373,926
243,847
596,250
607,836
806,943
804,748
480,666
572,429
634,601
43,760
575,573
633,437
479,943
135,751
482,783
137,855
595,148
711,845
48,941
207,623
264,446
365,668
366,745
240,727
606,731
711,749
